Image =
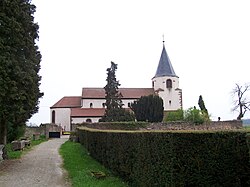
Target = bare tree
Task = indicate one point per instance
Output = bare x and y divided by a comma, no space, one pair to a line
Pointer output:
241,103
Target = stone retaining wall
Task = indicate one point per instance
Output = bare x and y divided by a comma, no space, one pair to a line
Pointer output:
176,125
212,125
43,129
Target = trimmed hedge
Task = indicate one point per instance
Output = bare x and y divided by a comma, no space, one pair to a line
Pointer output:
172,158
116,125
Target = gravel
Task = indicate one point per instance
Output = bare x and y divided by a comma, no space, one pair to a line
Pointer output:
42,166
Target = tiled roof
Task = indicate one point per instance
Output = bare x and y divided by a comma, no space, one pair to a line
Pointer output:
165,67
93,93
87,112
68,102
127,93
134,93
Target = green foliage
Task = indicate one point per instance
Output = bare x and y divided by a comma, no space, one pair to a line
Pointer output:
177,115
15,132
114,110
132,125
117,114
19,64
113,97
80,166
192,115
172,158
148,108
195,116
202,105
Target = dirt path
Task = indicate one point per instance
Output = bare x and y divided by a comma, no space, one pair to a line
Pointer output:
40,167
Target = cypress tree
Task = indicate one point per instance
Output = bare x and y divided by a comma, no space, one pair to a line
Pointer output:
19,64
114,110
202,105
148,108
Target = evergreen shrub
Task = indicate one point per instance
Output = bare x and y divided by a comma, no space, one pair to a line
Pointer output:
172,158
116,125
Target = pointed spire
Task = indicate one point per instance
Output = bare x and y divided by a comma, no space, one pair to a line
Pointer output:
165,67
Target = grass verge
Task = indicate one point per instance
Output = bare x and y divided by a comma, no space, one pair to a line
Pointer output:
80,167
17,154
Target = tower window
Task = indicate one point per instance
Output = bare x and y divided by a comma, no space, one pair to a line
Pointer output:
91,105
169,102
153,84
169,83
129,105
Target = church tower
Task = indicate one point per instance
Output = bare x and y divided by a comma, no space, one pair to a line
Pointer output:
166,83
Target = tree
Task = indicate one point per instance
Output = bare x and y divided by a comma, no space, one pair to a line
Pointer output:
194,115
148,108
113,97
177,115
241,103
114,110
202,105
19,64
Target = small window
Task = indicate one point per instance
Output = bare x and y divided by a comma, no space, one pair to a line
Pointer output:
169,102
129,104
153,84
91,105
103,105
169,83
53,116
88,120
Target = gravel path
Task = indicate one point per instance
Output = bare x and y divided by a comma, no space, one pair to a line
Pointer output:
39,167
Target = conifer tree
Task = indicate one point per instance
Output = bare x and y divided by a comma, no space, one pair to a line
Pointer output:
148,108
113,97
202,105
114,110
19,64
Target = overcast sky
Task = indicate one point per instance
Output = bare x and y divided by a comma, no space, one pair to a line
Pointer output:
208,43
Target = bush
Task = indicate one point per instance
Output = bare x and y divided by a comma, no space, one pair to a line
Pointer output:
148,108
15,131
117,114
172,158
195,116
177,115
132,125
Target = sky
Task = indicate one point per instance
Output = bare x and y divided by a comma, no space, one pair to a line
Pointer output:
208,43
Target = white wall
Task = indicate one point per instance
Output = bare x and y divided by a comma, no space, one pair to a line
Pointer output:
126,101
171,97
75,120
96,103
62,117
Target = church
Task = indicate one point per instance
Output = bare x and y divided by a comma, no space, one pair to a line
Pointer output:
90,106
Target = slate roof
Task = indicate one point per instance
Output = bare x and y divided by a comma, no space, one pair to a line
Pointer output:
68,102
127,93
165,67
87,112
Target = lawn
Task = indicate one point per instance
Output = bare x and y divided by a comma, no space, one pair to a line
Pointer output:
80,167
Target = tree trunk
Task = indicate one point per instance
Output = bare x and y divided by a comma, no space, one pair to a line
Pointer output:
241,112
3,131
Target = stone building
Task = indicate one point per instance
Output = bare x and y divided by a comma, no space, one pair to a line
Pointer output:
90,107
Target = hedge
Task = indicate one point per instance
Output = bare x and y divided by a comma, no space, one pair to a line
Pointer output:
172,158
